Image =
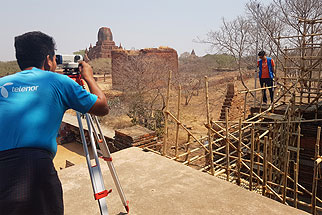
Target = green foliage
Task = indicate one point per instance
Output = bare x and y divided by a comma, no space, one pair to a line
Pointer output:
9,67
101,65
80,52
220,61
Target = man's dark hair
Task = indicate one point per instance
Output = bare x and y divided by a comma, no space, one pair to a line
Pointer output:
261,53
32,49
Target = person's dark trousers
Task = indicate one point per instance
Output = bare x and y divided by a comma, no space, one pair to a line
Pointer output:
267,82
29,184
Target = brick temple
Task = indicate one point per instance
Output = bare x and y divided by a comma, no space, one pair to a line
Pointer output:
104,45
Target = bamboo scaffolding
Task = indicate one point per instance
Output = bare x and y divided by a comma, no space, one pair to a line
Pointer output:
189,132
248,149
268,187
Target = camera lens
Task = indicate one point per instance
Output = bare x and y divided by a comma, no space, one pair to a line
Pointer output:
76,58
59,59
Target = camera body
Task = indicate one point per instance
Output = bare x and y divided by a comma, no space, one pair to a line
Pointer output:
68,61
70,65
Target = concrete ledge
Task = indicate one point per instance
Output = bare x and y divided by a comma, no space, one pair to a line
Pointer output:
156,185
72,120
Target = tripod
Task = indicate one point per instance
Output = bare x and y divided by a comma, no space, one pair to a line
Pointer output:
100,193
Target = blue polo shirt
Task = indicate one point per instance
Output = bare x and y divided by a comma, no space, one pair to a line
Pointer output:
32,105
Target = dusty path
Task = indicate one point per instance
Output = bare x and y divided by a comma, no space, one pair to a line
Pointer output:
73,152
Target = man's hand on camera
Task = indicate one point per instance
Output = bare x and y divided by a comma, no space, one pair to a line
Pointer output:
100,108
86,71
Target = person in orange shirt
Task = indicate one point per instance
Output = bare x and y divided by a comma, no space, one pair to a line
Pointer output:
266,67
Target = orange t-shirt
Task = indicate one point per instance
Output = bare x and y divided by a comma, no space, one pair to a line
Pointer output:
265,71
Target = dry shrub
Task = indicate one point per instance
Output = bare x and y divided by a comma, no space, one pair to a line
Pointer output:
116,122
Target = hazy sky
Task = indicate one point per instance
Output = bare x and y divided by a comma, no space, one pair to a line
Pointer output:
136,24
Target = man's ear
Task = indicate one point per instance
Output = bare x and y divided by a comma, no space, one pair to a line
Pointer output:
49,64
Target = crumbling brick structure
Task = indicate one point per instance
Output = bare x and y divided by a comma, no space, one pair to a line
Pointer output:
143,68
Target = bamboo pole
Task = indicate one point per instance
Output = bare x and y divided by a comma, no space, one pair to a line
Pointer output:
265,166
178,126
278,185
187,153
239,151
257,141
270,159
251,159
297,36
296,172
245,103
319,20
211,155
198,157
277,122
227,146
285,177
315,175
257,89
166,117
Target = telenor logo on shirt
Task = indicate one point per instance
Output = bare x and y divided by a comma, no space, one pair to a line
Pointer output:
20,89
24,89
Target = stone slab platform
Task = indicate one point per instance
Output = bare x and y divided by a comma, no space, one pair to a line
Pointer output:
156,185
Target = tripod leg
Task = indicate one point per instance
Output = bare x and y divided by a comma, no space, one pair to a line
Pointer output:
107,157
100,192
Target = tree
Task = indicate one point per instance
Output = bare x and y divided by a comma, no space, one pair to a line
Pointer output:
142,79
233,38
281,18
191,71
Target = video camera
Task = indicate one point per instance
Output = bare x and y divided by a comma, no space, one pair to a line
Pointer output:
69,63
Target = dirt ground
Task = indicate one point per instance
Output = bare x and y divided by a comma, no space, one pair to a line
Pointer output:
192,115
73,152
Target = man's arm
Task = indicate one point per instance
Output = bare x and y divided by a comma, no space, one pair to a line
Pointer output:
100,108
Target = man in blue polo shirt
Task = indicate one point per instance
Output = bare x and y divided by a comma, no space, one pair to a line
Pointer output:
32,105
